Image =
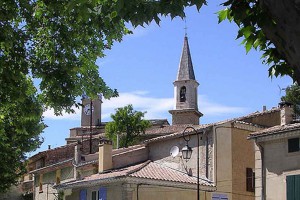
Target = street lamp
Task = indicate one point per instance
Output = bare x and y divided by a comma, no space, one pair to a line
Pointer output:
187,153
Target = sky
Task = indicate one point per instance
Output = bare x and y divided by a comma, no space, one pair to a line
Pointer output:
144,66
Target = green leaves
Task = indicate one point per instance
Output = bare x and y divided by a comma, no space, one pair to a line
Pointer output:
224,14
128,124
252,19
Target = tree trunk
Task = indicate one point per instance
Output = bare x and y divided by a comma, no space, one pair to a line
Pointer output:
286,35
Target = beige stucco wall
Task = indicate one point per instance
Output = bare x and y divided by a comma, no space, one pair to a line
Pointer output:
48,181
278,164
122,191
114,192
242,158
148,192
159,152
223,159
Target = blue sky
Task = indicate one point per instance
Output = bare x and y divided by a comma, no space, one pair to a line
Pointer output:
144,66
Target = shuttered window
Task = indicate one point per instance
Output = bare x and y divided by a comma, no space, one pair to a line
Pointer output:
293,187
293,145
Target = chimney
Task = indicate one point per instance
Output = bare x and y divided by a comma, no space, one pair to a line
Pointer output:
105,155
77,154
49,146
286,113
264,108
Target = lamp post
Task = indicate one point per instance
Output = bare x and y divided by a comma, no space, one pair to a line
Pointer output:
187,153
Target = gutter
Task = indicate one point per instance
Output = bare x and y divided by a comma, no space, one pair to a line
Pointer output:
263,171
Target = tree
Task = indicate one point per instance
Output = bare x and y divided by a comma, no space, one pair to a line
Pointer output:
272,27
127,124
293,96
57,42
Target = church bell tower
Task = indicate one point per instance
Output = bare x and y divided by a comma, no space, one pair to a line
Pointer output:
185,91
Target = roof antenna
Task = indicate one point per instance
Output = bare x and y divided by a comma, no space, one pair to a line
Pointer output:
185,27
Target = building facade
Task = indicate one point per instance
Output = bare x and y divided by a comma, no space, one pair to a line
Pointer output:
277,158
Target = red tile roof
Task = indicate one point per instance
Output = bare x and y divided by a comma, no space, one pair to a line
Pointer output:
147,170
275,130
157,171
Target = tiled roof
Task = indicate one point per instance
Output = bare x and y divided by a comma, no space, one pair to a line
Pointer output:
165,129
178,129
251,115
158,172
146,170
275,130
179,132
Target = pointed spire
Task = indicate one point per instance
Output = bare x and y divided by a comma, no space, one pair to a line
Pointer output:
186,71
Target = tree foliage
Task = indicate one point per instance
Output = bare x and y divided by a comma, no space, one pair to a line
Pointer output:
57,43
128,124
271,27
293,96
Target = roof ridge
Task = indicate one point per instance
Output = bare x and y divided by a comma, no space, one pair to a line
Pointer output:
139,168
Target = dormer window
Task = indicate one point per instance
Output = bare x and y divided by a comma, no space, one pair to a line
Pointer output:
293,145
182,94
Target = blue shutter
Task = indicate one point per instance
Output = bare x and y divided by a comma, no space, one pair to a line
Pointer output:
102,193
219,197
83,194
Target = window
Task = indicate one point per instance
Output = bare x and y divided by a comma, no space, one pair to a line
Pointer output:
40,163
250,180
94,195
293,145
293,187
182,94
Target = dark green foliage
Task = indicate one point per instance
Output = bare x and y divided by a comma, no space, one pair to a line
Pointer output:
128,124
293,96
260,30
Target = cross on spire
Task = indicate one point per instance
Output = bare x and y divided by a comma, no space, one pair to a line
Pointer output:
185,27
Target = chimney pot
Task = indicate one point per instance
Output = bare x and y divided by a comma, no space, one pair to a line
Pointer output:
264,108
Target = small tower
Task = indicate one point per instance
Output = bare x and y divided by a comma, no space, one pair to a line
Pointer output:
185,91
91,107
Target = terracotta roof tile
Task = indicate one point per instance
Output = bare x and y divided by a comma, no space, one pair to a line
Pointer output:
159,172
179,132
145,170
275,130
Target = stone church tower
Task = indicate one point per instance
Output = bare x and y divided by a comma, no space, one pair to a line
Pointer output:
185,91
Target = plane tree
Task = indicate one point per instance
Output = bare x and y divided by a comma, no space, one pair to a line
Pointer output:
272,27
49,48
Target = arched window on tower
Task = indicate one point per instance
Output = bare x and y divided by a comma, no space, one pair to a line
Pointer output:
182,94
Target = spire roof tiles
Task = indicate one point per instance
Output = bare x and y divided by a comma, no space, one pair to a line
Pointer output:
186,71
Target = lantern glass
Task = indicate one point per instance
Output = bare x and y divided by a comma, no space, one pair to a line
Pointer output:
186,152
